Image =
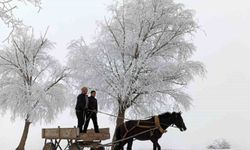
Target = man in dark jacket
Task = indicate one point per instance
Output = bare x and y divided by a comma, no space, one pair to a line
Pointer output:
81,107
92,112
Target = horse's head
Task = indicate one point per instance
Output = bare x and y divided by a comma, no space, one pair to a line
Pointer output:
178,121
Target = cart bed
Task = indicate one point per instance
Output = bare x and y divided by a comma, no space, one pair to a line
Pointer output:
73,134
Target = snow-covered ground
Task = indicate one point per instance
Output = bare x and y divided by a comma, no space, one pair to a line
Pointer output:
197,137
221,106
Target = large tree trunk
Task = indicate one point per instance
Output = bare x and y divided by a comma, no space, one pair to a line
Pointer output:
24,136
119,121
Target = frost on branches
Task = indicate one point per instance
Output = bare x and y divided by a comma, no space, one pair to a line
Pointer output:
219,144
7,12
31,81
31,84
141,57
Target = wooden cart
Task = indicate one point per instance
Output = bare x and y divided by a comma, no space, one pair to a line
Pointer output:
74,139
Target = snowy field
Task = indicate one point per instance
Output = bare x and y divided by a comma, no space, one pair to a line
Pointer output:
220,105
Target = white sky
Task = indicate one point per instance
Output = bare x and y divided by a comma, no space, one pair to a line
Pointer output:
221,100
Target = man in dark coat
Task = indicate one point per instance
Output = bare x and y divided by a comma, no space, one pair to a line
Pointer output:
81,107
92,112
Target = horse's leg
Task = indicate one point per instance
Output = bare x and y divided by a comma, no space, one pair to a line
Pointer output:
130,143
158,145
119,146
154,145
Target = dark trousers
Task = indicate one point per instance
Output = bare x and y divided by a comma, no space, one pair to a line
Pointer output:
80,114
93,116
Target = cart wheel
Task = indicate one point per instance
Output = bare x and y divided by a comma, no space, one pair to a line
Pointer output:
99,148
49,146
74,146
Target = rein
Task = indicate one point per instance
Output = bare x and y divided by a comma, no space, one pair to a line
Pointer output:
172,125
157,125
151,129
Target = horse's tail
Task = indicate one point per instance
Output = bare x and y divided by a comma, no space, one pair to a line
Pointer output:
117,137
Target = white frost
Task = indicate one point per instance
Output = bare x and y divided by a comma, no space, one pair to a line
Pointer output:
32,82
140,58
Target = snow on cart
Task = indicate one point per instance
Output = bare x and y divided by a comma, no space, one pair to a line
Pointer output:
74,139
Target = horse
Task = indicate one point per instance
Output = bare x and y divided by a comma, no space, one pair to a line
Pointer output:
150,129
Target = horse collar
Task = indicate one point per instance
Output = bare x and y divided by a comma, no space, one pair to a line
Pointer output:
158,124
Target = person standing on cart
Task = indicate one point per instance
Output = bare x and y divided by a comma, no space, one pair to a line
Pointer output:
92,112
81,107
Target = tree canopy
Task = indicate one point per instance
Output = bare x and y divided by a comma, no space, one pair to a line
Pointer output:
7,15
141,57
31,84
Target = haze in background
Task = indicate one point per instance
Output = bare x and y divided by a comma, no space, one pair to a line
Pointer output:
221,106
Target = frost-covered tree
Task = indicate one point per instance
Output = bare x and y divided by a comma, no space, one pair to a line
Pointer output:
141,57
219,144
31,81
7,12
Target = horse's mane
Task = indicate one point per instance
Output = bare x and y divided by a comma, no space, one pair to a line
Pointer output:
162,114
165,113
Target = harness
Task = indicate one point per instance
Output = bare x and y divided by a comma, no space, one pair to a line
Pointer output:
157,124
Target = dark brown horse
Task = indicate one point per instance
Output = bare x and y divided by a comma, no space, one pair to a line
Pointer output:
151,129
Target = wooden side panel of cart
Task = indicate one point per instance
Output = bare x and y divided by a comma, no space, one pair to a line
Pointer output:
73,134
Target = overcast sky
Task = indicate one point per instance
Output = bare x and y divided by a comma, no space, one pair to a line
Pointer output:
221,106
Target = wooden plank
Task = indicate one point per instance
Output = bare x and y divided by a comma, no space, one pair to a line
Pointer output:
43,133
91,135
60,133
73,133
102,130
